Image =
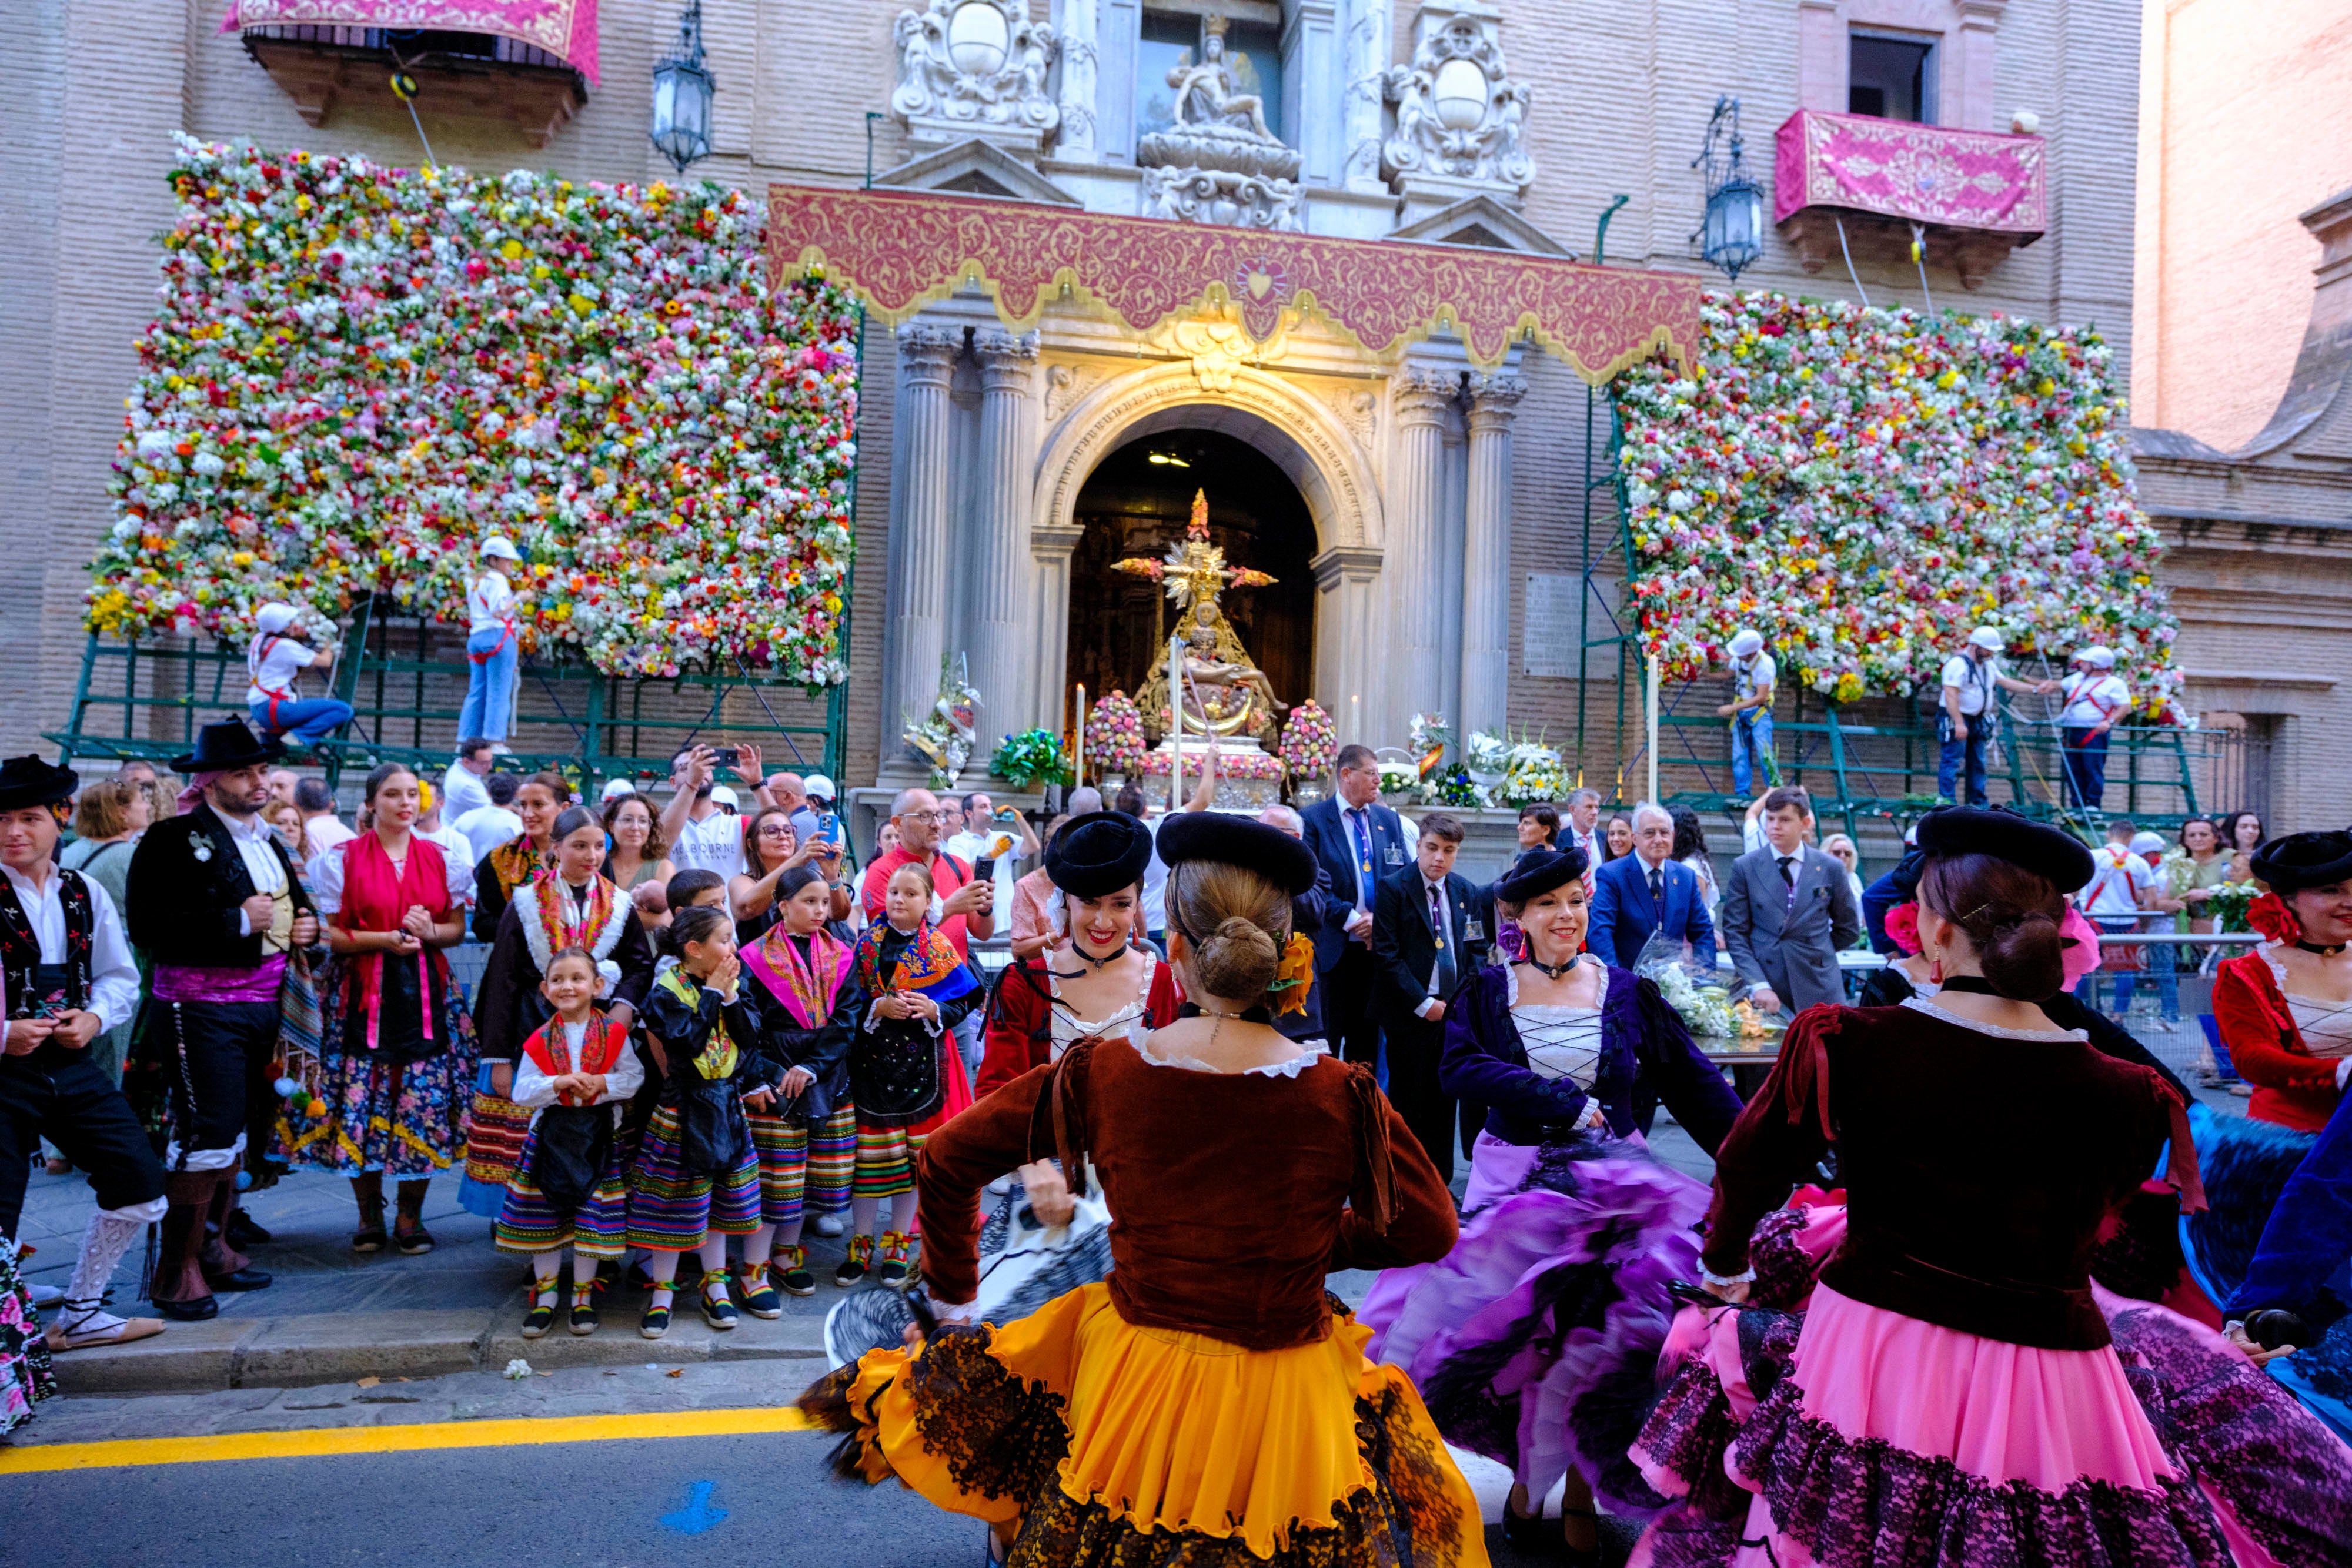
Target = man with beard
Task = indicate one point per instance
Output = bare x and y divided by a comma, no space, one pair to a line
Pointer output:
69,978
215,902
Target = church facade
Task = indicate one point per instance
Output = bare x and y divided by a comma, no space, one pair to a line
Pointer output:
1422,516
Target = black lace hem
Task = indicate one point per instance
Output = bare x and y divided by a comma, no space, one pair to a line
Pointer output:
1869,1504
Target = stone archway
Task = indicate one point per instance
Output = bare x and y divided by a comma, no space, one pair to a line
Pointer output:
1298,431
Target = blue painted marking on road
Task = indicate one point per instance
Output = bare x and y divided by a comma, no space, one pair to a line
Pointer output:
697,1515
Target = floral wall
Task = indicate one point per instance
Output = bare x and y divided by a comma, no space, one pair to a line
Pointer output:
1863,486
357,373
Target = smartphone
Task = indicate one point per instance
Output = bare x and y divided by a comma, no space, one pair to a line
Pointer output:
984,869
828,827
725,756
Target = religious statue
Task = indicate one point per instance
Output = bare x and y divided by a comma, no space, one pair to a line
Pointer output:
1207,95
944,735
1225,693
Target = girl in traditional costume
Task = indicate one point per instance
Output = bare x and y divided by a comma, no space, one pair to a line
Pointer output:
539,800
570,1186
807,1142
909,991
696,1180
1207,1403
568,903
394,1052
1535,1339
1955,1389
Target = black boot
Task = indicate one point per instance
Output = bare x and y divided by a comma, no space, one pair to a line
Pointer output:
179,1290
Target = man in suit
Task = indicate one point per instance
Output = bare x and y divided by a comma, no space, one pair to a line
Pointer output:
1649,892
1359,841
1430,933
1788,910
1306,916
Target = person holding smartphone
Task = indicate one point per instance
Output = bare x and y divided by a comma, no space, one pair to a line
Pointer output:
998,835
702,837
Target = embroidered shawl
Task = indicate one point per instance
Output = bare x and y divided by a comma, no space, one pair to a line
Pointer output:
545,915
930,965
805,988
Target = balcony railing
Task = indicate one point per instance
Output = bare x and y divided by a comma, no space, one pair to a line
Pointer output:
1975,195
481,75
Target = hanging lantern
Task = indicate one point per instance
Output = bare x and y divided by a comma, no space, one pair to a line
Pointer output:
979,40
683,87
1459,92
1731,231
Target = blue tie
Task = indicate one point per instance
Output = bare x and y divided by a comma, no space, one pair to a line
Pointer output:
1363,848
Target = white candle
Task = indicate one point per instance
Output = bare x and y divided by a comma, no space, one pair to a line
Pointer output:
1078,771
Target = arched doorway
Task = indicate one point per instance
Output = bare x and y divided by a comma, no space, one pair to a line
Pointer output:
1135,503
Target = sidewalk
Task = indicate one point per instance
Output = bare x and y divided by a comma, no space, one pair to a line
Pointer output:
332,1315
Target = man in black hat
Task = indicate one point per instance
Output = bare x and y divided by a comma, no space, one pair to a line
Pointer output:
70,976
215,901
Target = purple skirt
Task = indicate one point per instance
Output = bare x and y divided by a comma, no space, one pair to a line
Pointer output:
1535,1341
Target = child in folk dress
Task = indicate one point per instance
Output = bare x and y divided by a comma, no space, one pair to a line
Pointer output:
909,990
698,1178
571,1183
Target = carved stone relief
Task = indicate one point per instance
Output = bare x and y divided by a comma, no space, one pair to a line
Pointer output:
975,68
1459,115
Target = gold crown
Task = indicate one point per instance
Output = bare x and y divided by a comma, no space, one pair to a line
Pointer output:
1217,24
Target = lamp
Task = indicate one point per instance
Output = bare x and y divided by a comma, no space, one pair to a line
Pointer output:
683,86
1731,234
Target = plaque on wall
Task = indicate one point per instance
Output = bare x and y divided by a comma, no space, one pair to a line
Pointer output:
1552,627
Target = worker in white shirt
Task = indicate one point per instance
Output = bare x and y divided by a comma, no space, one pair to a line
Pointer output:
462,789
1754,674
1965,719
275,658
2095,699
493,644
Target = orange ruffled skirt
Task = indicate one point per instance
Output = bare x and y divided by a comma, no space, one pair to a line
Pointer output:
1114,1444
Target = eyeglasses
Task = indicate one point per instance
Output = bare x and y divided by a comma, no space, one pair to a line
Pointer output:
924,816
775,830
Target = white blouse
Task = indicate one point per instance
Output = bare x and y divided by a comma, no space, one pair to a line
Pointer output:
1068,1029
2326,1026
327,878
1140,1037
535,1089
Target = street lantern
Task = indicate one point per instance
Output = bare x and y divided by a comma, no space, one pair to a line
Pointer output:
1731,235
683,86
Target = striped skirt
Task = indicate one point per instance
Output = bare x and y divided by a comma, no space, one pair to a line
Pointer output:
671,1211
804,1166
529,1222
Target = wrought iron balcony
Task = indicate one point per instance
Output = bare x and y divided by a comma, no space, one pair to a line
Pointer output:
1975,195
479,74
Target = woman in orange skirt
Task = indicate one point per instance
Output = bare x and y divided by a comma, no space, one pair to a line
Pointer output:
1210,1394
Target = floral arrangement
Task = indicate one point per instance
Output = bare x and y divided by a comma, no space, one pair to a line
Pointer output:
1400,781
1031,759
1453,786
1865,486
1115,735
1230,764
1516,773
355,373
1704,1005
943,733
1310,742
2232,905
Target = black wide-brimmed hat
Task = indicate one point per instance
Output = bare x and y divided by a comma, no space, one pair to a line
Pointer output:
1237,840
29,781
227,745
1097,854
1539,874
2059,857
2296,861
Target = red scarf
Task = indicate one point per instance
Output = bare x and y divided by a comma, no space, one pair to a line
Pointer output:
375,896
601,1045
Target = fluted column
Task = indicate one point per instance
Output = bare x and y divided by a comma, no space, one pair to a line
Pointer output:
918,552
1486,555
998,593
1423,401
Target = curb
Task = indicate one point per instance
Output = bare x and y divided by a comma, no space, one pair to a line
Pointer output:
342,1347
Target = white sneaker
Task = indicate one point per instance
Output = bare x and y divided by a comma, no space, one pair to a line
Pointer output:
829,1225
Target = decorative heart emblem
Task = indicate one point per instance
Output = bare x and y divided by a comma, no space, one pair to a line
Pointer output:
1259,281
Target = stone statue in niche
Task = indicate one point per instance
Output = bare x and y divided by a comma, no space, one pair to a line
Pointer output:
1459,115
975,68
1205,95
1219,162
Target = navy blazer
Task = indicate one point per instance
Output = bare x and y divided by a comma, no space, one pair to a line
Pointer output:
1327,836
1624,918
1646,1057
1406,946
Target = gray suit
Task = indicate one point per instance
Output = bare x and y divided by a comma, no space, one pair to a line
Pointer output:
1791,945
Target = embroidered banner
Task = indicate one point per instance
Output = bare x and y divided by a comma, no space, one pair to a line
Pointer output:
1927,173
565,28
900,250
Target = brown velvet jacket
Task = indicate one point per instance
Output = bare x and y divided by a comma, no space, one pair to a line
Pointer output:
1978,1168
1232,1195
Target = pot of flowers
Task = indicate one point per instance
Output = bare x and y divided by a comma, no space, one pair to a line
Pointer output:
1031,760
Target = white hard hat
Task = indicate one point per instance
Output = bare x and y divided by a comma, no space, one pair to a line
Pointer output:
819,786
499,547
616,787
1747,640
1987,638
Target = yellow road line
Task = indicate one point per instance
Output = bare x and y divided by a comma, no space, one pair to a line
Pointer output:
137,1451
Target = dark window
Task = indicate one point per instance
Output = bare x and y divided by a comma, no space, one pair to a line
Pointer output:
1890,78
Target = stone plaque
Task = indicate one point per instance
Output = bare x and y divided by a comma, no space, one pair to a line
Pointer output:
1551,629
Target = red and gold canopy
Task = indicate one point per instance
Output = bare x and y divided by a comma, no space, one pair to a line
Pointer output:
900,250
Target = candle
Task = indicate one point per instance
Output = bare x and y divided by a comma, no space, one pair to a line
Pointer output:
1078,770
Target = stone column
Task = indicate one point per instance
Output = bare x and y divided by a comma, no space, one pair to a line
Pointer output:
999,591
1486,555
916,619
1424,398
1050,549
1350,662
1074,140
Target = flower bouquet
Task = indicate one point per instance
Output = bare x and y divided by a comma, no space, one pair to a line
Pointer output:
1532,774
1115,735
1310,742
1031,760
1700,998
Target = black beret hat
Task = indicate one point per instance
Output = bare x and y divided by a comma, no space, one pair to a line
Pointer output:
2297,860
29,781
2047,852
1237,840
1540,872
1098,854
